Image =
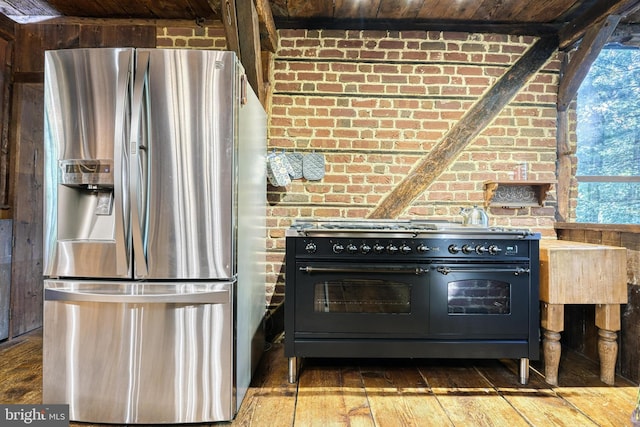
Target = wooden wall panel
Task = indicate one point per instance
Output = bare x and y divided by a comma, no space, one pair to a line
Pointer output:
26,148
7,28
33,39
117,36
6,55
629,350
26,275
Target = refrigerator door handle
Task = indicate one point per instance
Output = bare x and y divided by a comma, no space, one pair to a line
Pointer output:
121,159
136,167
209,297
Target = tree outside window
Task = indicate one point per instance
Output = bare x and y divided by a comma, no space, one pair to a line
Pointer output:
608,132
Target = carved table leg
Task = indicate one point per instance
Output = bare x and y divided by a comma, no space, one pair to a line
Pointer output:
552,350
608,352
552,318
608,322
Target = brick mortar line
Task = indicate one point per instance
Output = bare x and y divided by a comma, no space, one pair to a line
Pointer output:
481,149
407,96
400,62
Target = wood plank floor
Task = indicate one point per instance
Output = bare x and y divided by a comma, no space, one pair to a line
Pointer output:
382,393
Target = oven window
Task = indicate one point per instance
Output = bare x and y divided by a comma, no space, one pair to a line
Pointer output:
362,296
478,297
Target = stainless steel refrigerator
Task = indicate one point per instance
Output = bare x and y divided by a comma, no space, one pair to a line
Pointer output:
154,242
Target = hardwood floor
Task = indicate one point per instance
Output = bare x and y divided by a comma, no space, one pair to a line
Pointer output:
373,392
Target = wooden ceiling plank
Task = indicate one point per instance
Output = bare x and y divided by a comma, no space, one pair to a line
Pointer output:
249,41
200,9
577,69
495,10
394,9
309,9
447,9
268,32
349,9
462,133
573,32
142,9
541,11
27,8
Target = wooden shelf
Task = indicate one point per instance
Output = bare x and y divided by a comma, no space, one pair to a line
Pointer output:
515,194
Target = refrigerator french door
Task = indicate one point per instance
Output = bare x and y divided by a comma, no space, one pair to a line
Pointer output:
153,258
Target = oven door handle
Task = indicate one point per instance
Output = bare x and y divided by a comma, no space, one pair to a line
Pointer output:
405,270
519,271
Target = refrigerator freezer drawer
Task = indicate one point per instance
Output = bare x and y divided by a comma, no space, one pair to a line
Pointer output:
140,353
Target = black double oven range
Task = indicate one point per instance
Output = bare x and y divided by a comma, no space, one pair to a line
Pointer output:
410,289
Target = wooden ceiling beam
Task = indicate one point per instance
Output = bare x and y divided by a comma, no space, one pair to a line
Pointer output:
346,23
268,32
571,33
227,10
242,14
249,40
463,132
580,63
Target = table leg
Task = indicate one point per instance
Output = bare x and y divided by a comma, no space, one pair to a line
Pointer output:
552,317
608,352
608,323
552,350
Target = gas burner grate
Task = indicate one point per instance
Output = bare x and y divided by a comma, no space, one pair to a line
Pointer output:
414,227
353,225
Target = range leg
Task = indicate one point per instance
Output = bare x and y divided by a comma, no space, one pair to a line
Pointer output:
294,367
524,370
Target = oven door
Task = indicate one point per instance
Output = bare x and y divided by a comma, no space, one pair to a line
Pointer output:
479,301
344,300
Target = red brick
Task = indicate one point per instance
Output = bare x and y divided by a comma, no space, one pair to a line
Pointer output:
380,120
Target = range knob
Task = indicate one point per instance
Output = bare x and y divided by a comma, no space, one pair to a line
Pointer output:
378,248
392,249
338,248
405,249
453,249
494,250
365,249
422,248
351,248
467,249
310,247
481,250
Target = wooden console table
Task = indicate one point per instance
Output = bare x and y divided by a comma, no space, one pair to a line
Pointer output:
582,273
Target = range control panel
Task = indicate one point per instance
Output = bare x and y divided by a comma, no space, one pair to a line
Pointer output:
417,248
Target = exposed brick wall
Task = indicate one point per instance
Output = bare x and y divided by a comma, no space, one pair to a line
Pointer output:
375,102
192,36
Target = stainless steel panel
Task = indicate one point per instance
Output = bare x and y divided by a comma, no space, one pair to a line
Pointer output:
86,222
185,163
121,353
252,233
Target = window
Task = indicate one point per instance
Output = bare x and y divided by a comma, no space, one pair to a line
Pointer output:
608,135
